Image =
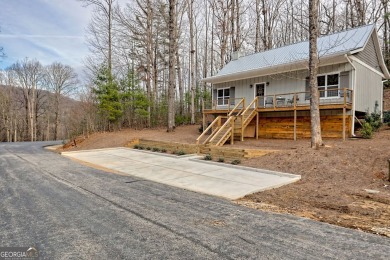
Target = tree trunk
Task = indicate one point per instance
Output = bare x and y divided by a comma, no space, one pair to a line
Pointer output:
180,81
316,138
257,39
205,54
149,58
238,27
56,114
172,63
31,120
16,132
232,25
110,36
192,60
386,32
212,45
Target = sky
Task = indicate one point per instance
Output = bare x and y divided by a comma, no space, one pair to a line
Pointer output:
46,30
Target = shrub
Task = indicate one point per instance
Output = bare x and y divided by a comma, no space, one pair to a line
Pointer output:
182,120
208,157
136,146
235,162
180,152
141,147
386,117
148,148
163,150
374,119
221,159
366,131
155,149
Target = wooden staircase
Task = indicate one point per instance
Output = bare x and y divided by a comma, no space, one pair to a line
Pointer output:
245,118
224,133
234,126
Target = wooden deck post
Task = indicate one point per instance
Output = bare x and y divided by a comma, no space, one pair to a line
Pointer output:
232,134
295,118
242,128
257,125
204,121
274,102
344,112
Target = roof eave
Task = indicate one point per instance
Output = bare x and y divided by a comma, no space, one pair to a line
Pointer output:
294,66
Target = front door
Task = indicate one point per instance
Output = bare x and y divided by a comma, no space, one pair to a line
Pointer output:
260,92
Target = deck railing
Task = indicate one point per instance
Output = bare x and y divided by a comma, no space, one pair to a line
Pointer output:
327,97
211,129
231,103
337,96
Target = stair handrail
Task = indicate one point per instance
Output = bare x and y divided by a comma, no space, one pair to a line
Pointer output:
211,135
222,127
236,106
248,107
216,120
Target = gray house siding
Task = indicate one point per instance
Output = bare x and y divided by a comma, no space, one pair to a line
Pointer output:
369,55
290,82
368,89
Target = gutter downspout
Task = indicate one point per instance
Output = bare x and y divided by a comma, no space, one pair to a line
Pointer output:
353,93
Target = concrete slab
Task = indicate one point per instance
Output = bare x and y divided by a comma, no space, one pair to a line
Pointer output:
223,180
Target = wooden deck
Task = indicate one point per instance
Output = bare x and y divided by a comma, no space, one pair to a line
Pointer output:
289,125
281,108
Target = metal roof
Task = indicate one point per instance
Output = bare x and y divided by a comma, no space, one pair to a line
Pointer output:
331,45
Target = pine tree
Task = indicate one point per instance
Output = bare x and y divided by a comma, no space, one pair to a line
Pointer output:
108,96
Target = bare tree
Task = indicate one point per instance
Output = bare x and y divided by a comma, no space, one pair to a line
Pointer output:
257,37
172,63
386,31
101,29
61,80
316,138
28,74
192,59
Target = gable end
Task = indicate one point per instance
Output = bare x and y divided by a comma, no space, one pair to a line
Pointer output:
369,55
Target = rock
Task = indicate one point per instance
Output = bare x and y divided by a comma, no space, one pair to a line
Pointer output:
371,191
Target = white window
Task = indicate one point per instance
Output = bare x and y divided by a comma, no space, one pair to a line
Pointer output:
223,95
328,85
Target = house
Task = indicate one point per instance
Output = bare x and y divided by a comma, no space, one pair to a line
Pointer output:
267,94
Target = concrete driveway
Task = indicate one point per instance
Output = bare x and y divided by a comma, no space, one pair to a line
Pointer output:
187,172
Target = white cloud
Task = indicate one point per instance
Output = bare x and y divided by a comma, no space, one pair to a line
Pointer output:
48,30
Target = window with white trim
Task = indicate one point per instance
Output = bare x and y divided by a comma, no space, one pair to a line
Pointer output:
223,95
328,85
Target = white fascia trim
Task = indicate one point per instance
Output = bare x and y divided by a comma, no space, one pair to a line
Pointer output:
380,58
366,65
356,51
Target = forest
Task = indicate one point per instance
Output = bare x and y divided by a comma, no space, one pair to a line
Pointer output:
148,58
